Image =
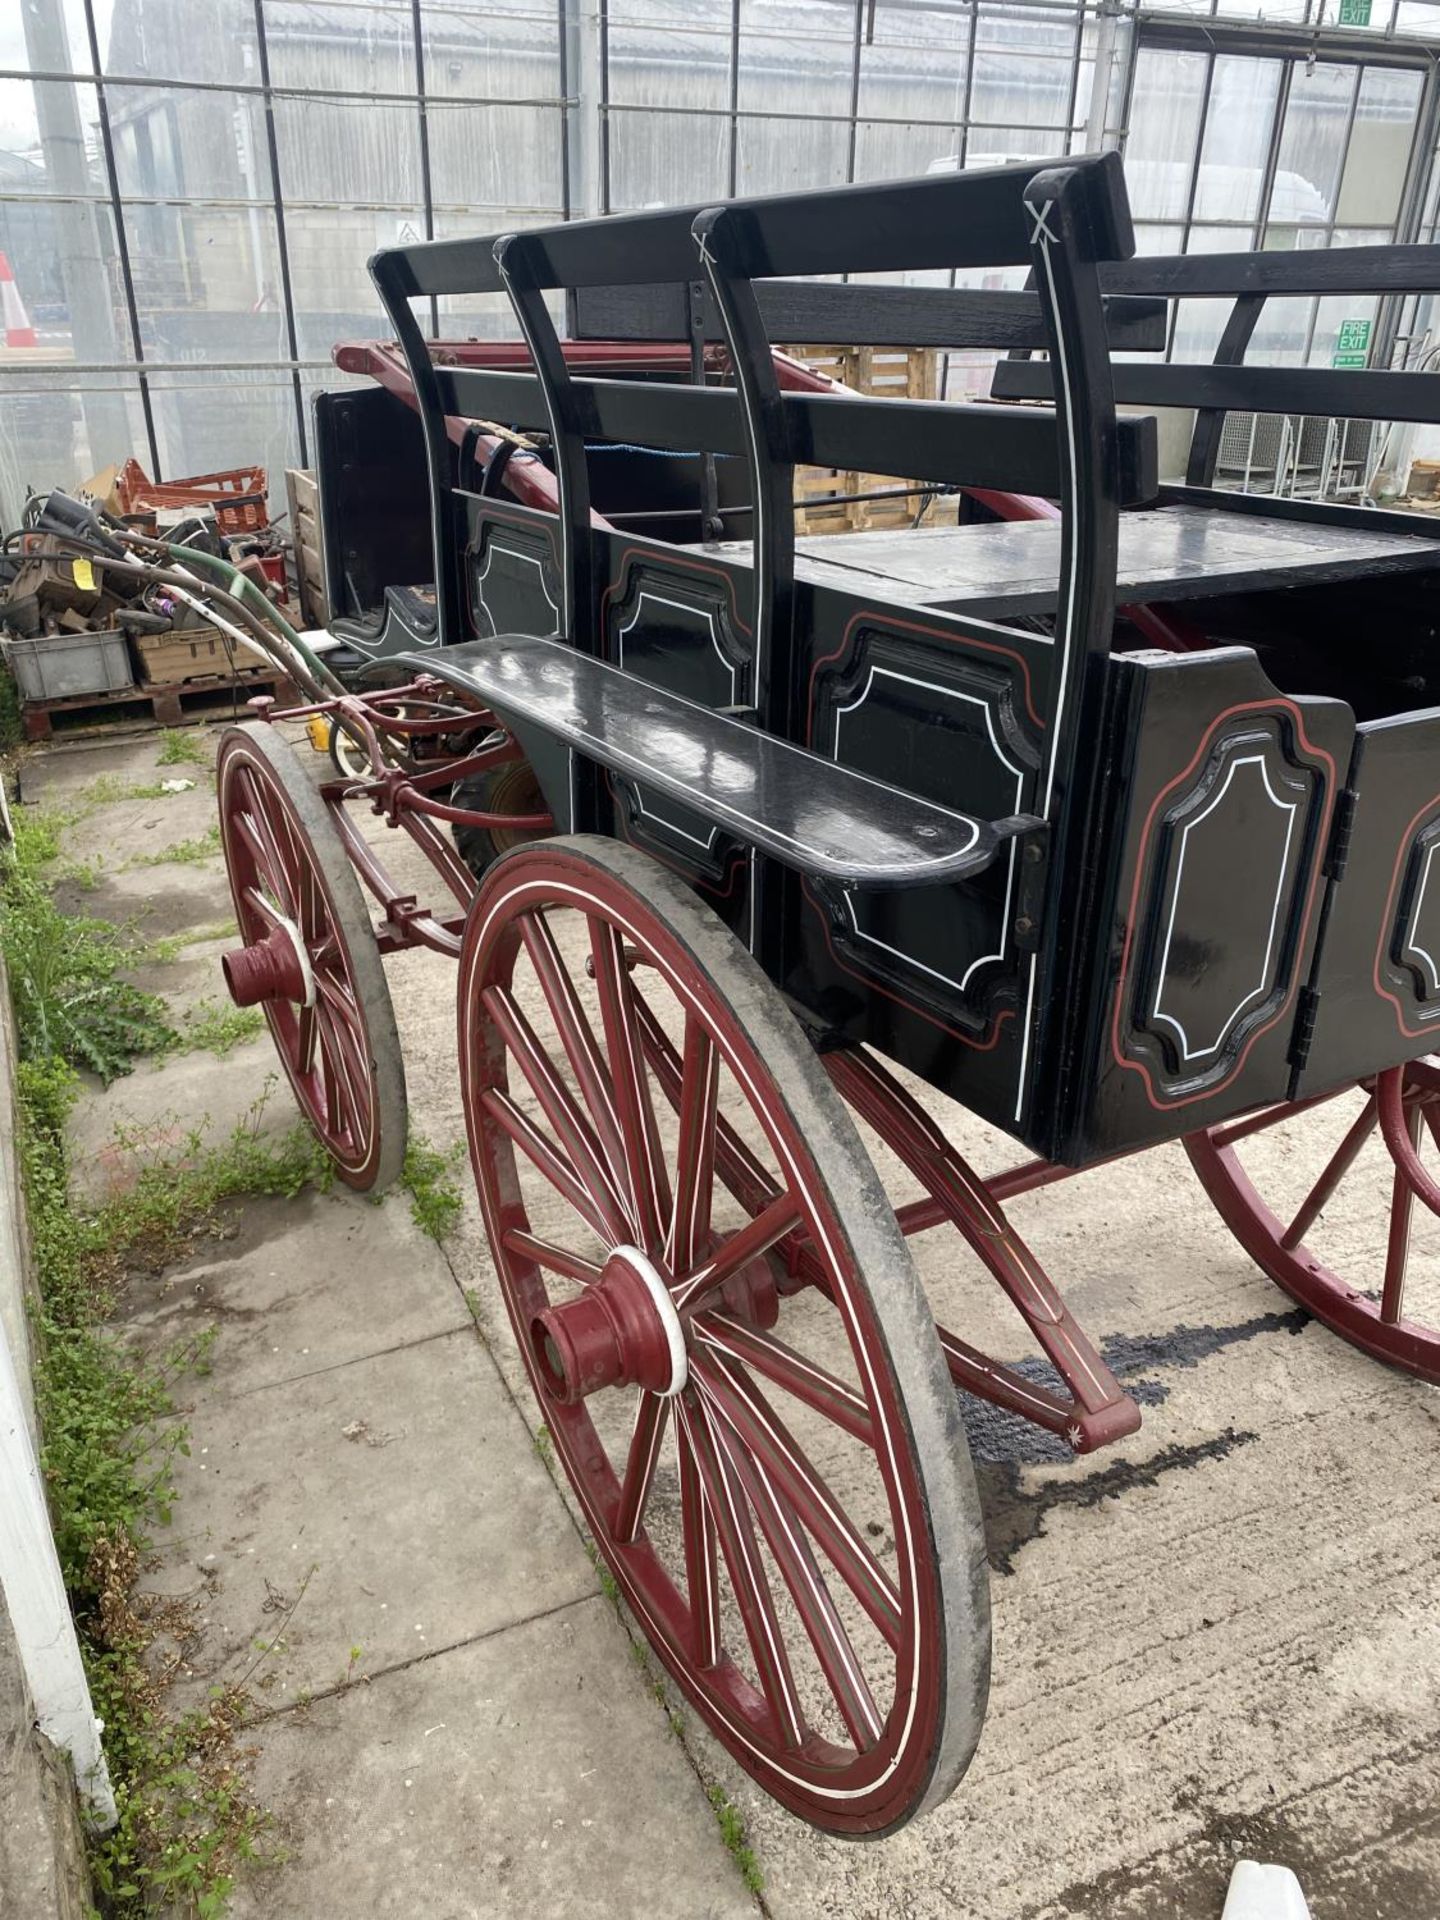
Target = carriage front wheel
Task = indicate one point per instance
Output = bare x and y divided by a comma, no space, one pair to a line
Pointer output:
1321,1194
308,956
725,1333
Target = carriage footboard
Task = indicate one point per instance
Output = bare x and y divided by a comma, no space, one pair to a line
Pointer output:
804,811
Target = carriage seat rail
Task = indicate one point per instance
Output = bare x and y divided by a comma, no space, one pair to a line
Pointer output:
808,813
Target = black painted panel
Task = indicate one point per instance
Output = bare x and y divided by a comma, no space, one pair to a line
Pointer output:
1209,887
1378,997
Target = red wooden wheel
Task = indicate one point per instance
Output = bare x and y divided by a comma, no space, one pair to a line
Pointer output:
774,1471
1321,1194
309,958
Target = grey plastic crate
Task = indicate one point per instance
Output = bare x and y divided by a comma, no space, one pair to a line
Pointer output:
66,666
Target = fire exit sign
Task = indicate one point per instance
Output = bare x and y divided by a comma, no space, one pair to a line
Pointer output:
1354,13
1352,344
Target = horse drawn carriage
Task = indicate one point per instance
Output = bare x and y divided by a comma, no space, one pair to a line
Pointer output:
1110,815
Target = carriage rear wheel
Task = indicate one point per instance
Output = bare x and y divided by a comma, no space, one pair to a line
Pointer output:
309,958
1321,1194
773,1471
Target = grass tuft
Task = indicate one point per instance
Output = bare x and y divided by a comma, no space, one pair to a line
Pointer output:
428,1176
179,749
732,1832
71,1002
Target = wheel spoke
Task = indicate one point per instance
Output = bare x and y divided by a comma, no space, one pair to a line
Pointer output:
745,1407
305,1026
556,1259
577,1036
264,841
1226,1136
349,1065
742,1173
695,1150
652,1416
701,1573
1339,1165
794,1557
748,1579
577,1139
639,1132
743,1246
332,1082
546,1158
1397,1248
812,1384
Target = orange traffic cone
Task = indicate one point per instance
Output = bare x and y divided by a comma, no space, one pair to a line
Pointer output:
18,330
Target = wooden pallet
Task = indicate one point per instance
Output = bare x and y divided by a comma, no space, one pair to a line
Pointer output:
893,373
304,497
185,703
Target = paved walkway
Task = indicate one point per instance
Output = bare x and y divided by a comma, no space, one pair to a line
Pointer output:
1222,1636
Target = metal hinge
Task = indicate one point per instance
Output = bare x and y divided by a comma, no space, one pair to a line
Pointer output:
1034,873
1307,1012
1342,832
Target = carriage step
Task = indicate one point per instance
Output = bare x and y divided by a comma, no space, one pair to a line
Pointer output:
802,810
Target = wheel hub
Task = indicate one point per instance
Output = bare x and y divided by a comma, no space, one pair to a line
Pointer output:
622,1331
275,968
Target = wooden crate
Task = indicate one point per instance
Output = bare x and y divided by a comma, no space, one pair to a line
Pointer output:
890,373
303,494
197,653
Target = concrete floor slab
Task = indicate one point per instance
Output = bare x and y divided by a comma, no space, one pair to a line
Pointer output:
399,1492
1219,1636
510,1777
270,1287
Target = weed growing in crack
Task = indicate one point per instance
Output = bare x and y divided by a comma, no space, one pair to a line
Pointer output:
428,1176
737,1844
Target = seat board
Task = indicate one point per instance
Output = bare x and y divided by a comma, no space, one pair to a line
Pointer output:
804,811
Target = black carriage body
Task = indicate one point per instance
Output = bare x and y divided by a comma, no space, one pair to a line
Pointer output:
1195,883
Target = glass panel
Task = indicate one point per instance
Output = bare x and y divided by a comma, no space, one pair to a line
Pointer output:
1164,128
205,423
783,40
667,159
207,283
331,150
67,274
652,66
1281,333
1379,147
58,429
1238,128
781,156
335,298
47,138
491,52
362,49
1024,61
217,44
1312,144
495,160
172,142
913,62
889,150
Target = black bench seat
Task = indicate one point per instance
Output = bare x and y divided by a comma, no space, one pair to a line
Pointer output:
804,811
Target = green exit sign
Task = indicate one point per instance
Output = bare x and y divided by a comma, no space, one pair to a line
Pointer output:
1354,13
1352,344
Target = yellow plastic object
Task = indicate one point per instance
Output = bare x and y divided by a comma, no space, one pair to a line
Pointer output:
318,728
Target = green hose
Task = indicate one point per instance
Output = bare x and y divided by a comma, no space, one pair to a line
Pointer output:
242,588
